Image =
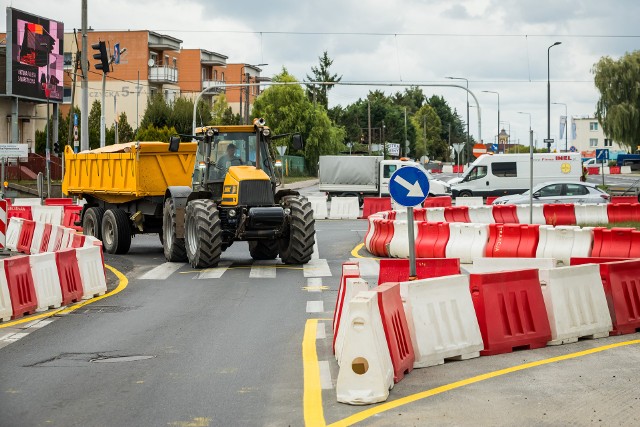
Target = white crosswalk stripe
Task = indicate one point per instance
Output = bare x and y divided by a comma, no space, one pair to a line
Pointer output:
214,273
317,268
264,269
162,271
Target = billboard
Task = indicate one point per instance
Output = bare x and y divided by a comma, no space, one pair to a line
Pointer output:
35,56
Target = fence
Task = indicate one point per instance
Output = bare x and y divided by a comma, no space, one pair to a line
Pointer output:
27,168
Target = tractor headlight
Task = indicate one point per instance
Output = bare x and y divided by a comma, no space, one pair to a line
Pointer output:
232,213
209,132
266,132
287,211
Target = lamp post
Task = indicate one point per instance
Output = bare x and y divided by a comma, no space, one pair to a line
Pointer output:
467,81
491,91
566,126
246,77
549,97
47,145
530,168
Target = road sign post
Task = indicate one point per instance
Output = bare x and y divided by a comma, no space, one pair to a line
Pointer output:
409,186
602,154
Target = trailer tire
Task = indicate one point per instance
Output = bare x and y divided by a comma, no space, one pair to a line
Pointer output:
116,232
203,234
174,250
296,245
263,249
92,222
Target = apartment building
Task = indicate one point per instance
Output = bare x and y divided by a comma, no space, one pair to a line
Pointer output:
241,98
587,136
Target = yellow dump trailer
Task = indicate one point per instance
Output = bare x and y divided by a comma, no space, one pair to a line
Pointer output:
126,172
124,187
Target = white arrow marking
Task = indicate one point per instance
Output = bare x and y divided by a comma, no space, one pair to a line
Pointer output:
414,189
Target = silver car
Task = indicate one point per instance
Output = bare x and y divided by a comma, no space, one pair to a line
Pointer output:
558,192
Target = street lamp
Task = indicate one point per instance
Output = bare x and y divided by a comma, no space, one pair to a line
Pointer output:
530,168
466,80
491,91
566,126
47,146
549,98
245,117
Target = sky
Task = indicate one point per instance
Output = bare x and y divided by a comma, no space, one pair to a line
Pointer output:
497,45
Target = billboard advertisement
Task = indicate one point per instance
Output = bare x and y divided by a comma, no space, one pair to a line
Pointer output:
35,56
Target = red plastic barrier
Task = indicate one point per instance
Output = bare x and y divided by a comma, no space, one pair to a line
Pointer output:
46,235
374,205
396,329
419,214
26,236
63,201
490,199
337,313
623,212
614,170
615,242
432,239
505,214
457,214
21,288
391,215
71,215
510,311
382,237
58,242
593,170
437,202
512,240
624,199
588,260
397,270
559,214
77,240
621,281
69,275
458,168
19,212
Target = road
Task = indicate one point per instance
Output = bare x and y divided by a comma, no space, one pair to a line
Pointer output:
224,347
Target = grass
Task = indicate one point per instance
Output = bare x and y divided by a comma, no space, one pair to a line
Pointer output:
292,179
628,224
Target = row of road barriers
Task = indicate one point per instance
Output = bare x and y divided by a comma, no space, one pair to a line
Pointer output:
444,315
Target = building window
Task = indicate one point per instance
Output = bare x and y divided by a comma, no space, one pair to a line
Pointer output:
68,59
593,125
593,142
222,76
154,57
215,74
608,142
175,62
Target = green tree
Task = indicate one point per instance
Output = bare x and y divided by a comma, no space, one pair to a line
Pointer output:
618,109
413,98
181,115
157,113
221,113
428,140
94,125
287,109
125,131
319,93
152,133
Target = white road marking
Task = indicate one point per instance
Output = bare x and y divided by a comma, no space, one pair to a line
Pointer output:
15,337
317,268
315,307
321,332
314,284
368,267
325,375
162,271
39,324
316,251
263,269
214,273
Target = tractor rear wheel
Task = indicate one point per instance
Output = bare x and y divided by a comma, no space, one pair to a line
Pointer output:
174,250
116,232
92,222
263,249
203,235
296,245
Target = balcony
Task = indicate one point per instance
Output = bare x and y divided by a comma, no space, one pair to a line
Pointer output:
163,74
216,85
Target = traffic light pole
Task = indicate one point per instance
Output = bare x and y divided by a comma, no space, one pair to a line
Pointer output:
102,119
48,146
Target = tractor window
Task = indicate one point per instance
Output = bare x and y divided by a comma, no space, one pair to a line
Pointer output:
231,149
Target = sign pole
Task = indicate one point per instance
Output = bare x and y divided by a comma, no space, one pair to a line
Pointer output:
2,189
412,243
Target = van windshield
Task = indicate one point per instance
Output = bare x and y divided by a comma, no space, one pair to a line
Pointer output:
477,172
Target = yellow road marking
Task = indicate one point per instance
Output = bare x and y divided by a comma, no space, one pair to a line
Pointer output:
123,282
354,252
315,288
312,400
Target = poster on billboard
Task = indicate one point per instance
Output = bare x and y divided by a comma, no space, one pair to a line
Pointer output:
35,56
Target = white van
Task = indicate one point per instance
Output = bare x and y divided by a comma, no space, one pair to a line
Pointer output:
503,174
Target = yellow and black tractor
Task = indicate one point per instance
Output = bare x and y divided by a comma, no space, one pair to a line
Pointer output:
232,198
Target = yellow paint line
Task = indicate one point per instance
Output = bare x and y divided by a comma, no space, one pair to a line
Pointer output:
123,282
354,252
315,288
312,400
363,415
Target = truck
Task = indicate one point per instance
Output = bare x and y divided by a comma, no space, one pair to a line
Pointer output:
504,174
197,199
362,176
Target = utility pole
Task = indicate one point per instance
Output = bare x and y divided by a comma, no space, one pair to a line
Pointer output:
84,62
369,118
73,89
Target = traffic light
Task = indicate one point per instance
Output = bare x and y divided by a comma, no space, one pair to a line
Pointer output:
102,55
56,147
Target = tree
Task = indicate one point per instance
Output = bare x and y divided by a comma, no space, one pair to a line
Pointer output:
286,109
152,133
94,125
181,115
125,131
157,112
222,114
319,93
413,98
428,140
618,109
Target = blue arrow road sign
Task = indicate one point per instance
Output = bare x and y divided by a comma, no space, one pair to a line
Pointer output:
602,154
494,148
409,186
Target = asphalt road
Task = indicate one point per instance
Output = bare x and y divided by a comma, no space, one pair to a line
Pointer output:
224,347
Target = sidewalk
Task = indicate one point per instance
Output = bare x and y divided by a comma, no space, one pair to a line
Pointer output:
300,184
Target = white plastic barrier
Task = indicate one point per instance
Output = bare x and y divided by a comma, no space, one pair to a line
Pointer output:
564,242
467,241
57,231
607,170
38,235
67,238
366,372
319,206
26,201
13,233
442,320
591,214
399,244
6,309
481,215
576,303
435,215
47,214
352,287
371,231
45,280
625,169
493,265
522,211
90,241
344,208
469,201
92,273
447,168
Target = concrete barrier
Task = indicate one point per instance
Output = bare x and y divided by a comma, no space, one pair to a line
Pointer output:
344,208
319,206
625,169
467,241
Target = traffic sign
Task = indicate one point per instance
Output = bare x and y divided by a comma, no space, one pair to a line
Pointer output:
602,154
14,150
458,146
409,186
281,149
494,148
479,149
548,141
573,149
393,149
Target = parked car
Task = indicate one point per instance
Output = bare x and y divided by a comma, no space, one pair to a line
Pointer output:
558,192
